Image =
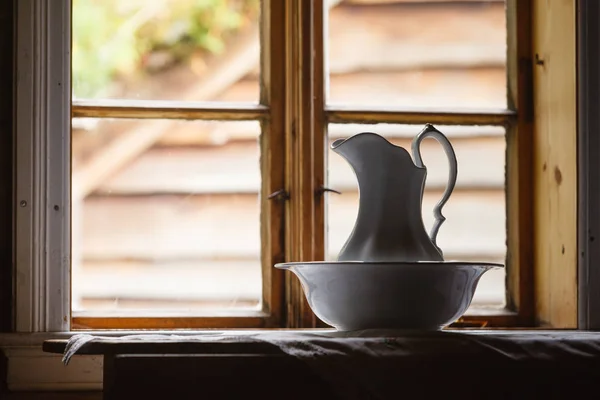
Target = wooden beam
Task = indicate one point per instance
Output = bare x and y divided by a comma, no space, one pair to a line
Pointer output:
428,89
150,289
238,282
479,88
228,226
218,133
555,163
234,167
398,36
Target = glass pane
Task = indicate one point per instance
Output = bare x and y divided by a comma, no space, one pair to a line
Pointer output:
417,53
166,223
166,50
475,228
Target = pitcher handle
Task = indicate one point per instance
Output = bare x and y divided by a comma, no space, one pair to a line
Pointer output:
430,131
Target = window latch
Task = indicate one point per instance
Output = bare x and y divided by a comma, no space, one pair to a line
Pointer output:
281,194
323,189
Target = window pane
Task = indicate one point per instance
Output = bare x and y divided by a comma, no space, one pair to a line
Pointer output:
475,228
166,50
417,53
171,224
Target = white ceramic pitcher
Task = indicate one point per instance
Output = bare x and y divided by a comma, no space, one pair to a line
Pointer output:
389,226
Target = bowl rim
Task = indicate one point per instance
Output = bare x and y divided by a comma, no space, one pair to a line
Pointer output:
286,265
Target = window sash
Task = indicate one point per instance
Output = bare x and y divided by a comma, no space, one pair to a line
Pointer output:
270,112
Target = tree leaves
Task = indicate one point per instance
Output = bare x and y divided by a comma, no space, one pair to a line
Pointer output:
114,40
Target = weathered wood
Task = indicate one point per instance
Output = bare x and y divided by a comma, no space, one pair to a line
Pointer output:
463,237
206,133
248,89
126,305
227,281
398,36
219,226
424,89
430,88
475,222
157,288
555,167
234,168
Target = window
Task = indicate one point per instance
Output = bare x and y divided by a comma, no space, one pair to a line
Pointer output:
302,92
166,167
172,155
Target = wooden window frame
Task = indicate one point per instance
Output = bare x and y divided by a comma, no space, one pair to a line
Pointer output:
516,119
271,115
541,164
541,260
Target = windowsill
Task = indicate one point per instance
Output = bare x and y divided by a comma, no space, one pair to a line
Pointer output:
84,372
195,341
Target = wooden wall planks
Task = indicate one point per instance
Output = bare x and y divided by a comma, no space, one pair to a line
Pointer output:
234,168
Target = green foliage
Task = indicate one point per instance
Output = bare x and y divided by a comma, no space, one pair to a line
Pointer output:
113,39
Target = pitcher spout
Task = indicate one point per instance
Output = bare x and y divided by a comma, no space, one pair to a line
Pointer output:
360,148
353,147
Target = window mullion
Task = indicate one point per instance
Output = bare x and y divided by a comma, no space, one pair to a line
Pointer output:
300,147
519,162
272,147
319,123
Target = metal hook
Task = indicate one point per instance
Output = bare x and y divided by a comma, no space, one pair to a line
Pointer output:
323,189
281,194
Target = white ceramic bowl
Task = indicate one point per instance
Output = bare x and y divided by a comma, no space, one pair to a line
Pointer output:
356,295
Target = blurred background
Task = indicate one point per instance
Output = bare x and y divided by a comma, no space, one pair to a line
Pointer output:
166,213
